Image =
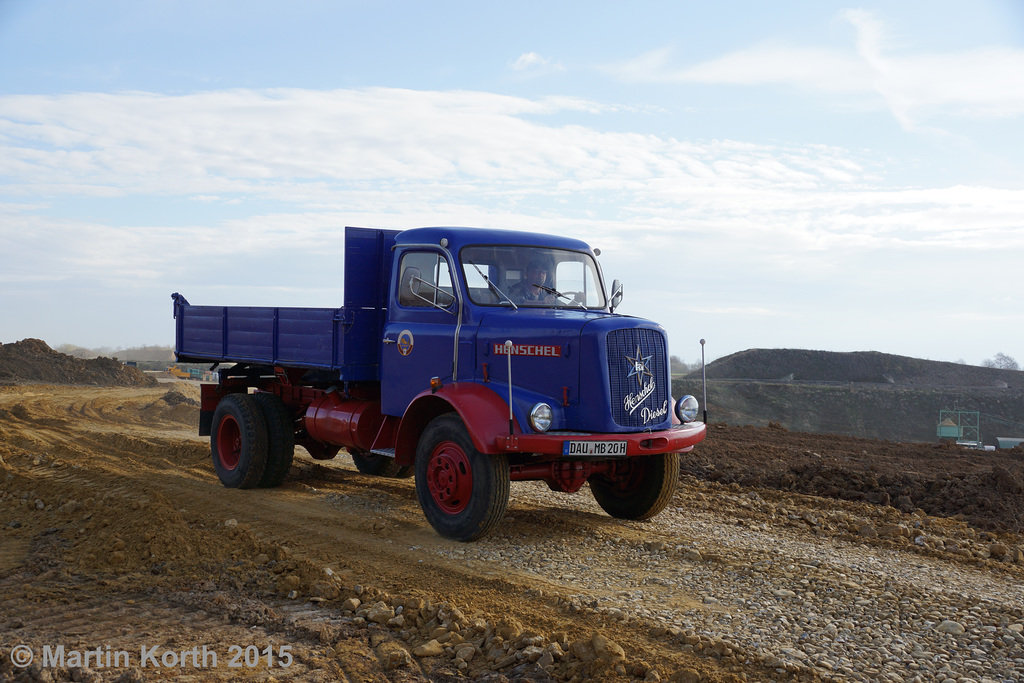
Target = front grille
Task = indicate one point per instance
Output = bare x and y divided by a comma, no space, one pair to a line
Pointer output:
632,405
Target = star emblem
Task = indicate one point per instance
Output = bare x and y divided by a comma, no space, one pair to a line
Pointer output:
639,367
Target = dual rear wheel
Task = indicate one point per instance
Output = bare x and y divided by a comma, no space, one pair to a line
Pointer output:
252,441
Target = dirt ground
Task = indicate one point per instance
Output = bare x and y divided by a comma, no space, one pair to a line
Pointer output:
116,536
985,488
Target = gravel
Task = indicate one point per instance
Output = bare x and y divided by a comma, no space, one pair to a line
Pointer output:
779,594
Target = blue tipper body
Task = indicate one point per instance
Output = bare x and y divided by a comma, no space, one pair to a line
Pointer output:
343,340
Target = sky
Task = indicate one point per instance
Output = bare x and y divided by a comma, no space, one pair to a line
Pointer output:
817,175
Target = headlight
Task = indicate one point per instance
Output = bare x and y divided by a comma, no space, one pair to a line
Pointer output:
687,408
540,417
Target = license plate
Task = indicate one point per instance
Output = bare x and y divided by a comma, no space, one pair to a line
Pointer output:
593,448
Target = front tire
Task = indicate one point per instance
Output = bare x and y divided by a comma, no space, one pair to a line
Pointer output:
379,465
463,492
238,441
643,488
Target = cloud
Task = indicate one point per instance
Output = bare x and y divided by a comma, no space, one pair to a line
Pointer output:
302,144
979,83
533,62
401,153
240,197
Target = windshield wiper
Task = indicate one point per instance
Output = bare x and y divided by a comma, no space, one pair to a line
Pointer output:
572,299
494,288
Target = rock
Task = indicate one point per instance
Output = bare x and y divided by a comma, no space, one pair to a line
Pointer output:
505,661
509,629
583,651
393,656
686,676
380,612
231,523
693,556
998,551
532,653
607,649
352,604
261,559
892,530
323,589
867,531
431,648
783,593
70,507
952,627
288,583
465,652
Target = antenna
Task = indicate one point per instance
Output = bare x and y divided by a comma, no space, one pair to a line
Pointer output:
508,352
704,382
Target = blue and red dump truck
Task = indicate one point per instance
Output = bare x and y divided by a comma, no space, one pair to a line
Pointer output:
466,357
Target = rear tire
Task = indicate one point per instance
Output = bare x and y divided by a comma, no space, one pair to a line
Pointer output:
642,490
379,465
463,492
280,439
238,441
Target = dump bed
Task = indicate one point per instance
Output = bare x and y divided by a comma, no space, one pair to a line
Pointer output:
346,340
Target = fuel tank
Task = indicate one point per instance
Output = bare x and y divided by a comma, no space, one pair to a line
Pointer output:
350,423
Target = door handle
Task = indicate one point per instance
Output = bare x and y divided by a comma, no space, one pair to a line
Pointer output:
385,340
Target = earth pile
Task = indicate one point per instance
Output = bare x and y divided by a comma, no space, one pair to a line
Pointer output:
33,361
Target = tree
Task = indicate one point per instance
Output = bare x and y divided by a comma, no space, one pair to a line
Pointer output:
1001,361
681,367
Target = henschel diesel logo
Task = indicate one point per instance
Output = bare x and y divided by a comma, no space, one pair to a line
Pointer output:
645,382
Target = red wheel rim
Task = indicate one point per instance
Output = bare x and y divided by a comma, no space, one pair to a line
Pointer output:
628,477
449,477
229,443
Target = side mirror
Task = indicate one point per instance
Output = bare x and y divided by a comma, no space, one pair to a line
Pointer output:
616,295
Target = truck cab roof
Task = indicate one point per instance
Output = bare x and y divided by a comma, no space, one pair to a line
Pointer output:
459,237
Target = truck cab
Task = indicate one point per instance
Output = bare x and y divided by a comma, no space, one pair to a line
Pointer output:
469,358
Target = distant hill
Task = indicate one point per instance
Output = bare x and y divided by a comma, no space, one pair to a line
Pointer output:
857,366
865,393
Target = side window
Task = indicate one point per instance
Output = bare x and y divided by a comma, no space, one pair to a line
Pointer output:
425,281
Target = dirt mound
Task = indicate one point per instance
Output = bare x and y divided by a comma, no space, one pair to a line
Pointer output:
32,361
858,366
984,487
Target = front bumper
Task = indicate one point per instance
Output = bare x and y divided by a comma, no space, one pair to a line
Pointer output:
678,439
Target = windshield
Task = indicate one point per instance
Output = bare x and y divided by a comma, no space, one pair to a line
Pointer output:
531,276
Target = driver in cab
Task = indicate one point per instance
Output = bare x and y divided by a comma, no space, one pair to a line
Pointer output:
529,289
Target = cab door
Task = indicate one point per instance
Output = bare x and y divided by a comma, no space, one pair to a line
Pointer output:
419,336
